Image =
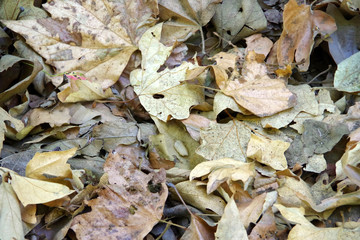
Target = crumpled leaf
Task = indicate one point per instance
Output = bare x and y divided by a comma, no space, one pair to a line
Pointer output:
265,228
268,152
162,93
230,226
128,206
237,19
50,165
223,170
301,25
84,36
256,91
11,226
347,75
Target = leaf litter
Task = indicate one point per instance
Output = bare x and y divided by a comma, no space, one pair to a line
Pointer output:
104,104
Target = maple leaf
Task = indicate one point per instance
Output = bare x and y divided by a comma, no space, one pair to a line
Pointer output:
301,25
88,36
162,93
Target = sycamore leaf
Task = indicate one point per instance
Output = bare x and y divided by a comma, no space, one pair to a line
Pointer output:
162,93
268,152
88,36
301,25
223,170
224,141
256,91
50,165
10,216
128,206
230,225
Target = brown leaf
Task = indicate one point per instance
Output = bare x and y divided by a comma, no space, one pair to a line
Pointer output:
256,91
128,207
301,25
199,230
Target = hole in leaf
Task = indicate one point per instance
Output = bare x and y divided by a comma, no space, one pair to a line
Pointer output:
228,32
241,10
158,96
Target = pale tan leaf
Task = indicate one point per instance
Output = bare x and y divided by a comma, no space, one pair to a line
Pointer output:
162,93
268,152
230,225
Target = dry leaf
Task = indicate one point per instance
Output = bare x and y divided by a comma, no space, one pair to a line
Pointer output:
223,170
83,90
198,230
301,25
162,93
11,226
256,91
50,165
127,207
268,152
230,225
85,36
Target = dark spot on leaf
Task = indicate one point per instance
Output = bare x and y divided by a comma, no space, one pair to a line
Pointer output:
153,34
241,10
228,32
158,96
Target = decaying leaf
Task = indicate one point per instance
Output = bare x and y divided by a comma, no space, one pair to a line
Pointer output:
127,207
85,36
162,93
301,25
256,91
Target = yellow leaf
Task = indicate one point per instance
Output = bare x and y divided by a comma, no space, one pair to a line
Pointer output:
33,191
50,165
268,152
